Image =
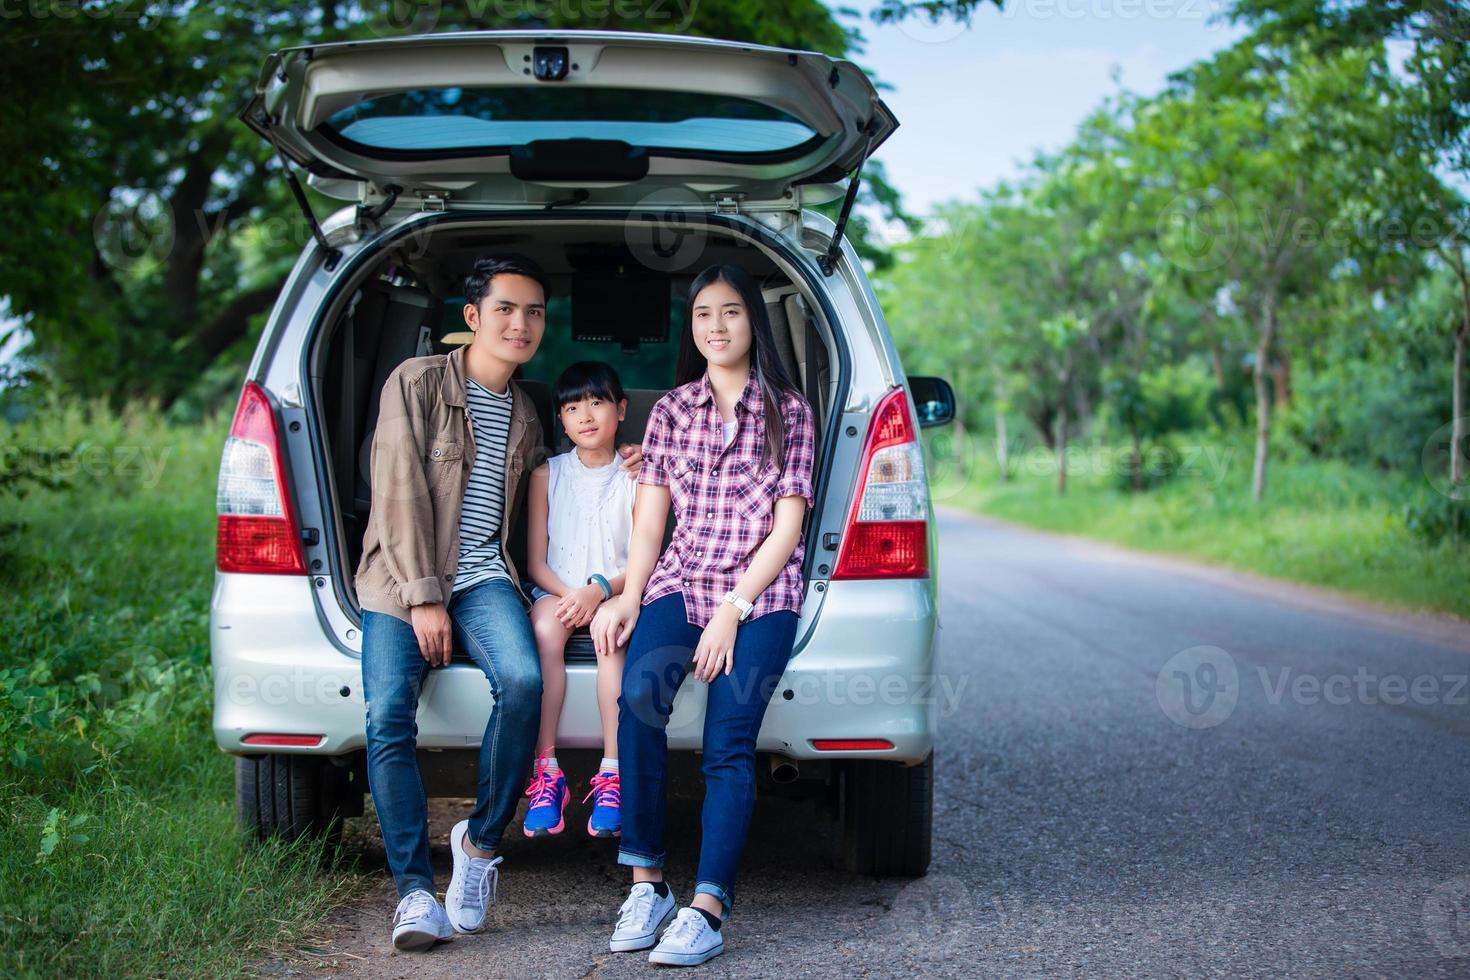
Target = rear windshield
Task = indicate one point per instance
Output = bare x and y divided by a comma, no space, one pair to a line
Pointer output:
464,119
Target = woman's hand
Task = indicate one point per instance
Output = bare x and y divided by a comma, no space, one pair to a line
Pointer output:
577,606
613,624
431,628
716,651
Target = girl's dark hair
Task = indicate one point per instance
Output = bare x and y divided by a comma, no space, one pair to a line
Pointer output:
477,283
587,379
770,373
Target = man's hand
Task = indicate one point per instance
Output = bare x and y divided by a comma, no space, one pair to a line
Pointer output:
435,636
632,454
715,653
577,607
613,624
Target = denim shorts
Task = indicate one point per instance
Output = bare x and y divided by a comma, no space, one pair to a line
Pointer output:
537,592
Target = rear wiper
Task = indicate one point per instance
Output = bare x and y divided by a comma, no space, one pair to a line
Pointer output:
578,196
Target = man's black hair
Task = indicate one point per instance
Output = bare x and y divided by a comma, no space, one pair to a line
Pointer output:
477,283
587,379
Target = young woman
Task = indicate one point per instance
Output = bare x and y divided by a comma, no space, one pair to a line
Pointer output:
731,448
581,519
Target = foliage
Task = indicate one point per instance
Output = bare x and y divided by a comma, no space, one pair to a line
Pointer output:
120,852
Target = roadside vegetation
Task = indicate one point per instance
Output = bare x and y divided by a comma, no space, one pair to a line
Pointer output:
119,854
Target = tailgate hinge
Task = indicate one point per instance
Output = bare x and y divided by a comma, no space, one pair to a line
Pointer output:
827,261
332,255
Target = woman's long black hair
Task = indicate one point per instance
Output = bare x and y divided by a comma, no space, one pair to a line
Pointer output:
770,373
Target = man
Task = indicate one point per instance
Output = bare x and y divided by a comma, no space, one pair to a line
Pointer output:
455,442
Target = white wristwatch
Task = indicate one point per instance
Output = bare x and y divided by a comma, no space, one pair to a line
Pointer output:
745,607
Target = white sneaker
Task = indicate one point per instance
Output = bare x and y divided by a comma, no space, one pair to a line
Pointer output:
471,886
643,914
688,942
419,922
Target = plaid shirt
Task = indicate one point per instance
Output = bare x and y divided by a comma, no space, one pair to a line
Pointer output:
724,502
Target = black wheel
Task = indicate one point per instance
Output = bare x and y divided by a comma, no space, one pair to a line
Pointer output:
291,796
888,817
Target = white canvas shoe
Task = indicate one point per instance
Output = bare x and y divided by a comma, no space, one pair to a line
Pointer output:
643,914
419,922
471,886
688,942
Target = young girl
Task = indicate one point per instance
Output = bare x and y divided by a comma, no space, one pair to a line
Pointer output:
581,517
731,448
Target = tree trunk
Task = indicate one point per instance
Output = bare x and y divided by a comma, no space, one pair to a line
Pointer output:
1137,457
1217,358
1262,375
1061,442
1063,409
1002,443
1458,447
1458,436
1281,379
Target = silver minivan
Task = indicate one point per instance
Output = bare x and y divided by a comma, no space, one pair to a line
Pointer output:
623,164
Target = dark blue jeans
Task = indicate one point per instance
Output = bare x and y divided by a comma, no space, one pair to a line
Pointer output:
490,624
660,653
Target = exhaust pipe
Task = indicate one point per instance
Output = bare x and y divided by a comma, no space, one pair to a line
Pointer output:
783,770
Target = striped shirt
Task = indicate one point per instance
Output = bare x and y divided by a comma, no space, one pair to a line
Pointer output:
484,497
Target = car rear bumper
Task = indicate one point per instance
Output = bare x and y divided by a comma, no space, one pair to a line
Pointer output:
864,670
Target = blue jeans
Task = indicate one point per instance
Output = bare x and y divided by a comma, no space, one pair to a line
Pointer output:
490,624
660,653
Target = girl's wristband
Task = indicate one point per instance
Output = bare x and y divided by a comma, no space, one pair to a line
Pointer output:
603,582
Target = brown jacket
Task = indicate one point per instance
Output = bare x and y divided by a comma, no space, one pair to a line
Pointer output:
422,453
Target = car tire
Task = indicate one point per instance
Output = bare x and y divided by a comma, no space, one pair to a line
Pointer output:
888,817
286,797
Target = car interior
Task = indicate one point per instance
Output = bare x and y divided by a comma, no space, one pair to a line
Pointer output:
606,305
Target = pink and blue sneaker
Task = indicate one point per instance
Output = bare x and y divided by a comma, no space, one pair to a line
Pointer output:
606,797
549,794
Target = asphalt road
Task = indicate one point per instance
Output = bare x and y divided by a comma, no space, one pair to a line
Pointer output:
1144,769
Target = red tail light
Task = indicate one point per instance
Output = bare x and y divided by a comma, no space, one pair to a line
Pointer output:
887,533
851,744
257,529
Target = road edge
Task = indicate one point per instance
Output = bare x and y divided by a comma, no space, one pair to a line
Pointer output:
1443,629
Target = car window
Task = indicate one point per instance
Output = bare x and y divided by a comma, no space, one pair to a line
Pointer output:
431,120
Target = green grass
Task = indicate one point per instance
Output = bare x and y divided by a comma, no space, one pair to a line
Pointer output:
1323,523
119,853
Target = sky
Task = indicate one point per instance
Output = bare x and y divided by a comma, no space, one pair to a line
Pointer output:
973,102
